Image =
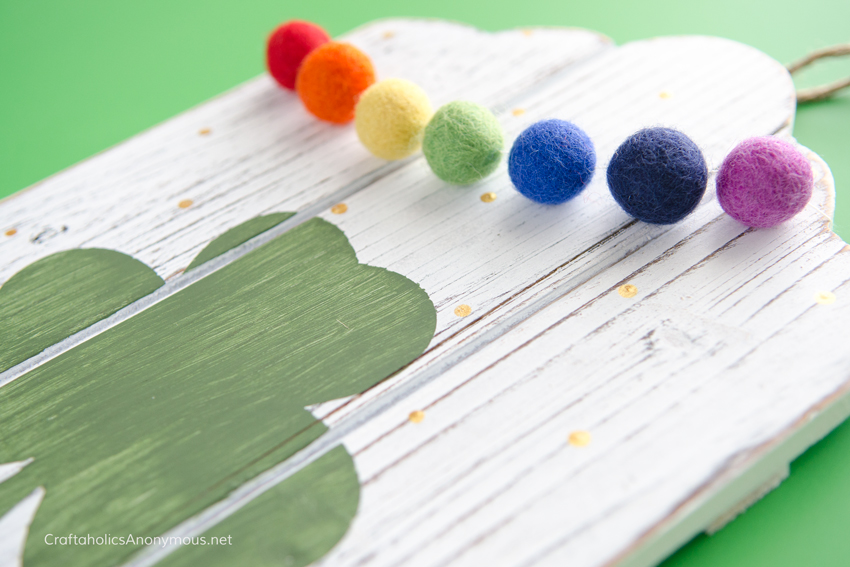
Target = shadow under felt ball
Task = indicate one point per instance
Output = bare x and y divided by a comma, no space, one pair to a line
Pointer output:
658,175
552,161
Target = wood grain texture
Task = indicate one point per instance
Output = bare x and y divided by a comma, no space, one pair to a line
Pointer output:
696,391
164,414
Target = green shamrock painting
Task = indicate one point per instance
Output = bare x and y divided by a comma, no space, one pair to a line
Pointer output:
161,416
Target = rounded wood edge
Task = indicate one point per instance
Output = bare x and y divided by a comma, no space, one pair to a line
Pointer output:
823,196
741,483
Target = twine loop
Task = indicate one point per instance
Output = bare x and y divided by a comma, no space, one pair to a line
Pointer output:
824,91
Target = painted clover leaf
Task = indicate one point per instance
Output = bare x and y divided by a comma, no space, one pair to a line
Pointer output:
154,420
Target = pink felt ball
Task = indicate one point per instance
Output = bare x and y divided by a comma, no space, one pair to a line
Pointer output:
763,182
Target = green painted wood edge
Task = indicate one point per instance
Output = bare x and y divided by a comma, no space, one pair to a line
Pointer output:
63,293
157,418
741,491
236,236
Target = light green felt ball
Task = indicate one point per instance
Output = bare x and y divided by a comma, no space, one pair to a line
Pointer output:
463,142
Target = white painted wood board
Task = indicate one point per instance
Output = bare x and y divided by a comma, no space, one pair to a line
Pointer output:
696,392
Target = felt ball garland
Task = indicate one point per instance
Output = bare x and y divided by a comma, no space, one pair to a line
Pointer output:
462,142
657,175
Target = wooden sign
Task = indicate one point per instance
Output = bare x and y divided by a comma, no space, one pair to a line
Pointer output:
240,339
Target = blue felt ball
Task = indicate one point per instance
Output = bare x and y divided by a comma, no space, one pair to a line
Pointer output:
658,175
551,161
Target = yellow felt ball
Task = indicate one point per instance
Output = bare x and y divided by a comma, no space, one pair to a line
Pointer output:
390,118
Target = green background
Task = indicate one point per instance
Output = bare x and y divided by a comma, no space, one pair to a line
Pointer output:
76,78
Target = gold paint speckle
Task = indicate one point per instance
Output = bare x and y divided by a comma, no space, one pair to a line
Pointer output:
488,197
185,203
664,94
204,131
579,438
416,416
825,297
389,34
11,232
463,310
339,208
627,290
518,111
527,33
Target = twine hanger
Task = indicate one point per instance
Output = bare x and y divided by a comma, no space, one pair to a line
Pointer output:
824,91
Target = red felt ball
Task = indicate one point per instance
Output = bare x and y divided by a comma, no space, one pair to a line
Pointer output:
287,47
332,79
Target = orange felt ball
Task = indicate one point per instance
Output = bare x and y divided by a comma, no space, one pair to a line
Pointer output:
331,79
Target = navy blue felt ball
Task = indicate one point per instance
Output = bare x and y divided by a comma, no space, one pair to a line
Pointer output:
551,161
658,175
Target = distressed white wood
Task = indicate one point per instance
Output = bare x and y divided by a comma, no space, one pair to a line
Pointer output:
679,386
697,392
